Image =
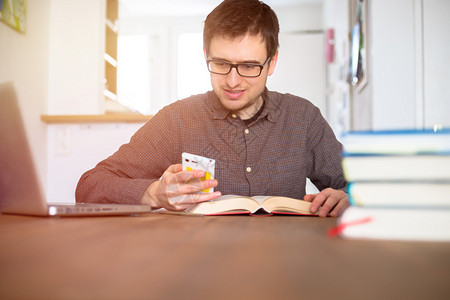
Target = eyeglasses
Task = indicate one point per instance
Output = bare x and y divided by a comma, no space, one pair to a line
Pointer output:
245,70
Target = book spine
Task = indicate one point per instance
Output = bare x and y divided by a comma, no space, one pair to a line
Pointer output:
397,142
351,198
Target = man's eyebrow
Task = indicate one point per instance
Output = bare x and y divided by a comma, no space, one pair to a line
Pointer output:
252,61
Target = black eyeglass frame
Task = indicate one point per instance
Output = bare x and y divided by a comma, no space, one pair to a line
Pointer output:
236,66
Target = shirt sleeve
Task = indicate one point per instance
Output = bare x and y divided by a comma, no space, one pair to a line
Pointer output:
124,176
324,160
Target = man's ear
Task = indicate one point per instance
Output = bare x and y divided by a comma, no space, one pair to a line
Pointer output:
273,63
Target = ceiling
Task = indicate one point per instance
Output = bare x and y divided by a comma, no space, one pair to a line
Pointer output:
142,8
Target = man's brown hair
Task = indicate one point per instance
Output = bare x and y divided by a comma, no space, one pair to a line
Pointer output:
236,18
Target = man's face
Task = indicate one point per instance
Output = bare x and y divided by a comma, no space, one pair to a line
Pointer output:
241,95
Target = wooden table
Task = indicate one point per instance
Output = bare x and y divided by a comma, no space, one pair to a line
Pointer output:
160,256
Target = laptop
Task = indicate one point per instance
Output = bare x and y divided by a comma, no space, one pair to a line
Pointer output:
20,189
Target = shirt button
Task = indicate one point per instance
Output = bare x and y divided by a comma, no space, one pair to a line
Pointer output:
234,116
247,131
249,169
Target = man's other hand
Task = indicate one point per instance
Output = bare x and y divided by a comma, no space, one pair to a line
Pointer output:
330,201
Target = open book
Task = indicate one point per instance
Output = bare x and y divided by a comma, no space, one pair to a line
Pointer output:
266,205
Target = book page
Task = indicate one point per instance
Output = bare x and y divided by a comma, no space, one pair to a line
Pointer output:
235,203
285,204
226,203
259,199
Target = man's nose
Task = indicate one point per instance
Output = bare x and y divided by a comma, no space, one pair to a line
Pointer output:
233,78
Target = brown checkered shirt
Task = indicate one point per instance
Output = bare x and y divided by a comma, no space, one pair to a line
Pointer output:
289,141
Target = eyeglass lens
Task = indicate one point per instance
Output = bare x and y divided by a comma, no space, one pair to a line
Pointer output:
223,68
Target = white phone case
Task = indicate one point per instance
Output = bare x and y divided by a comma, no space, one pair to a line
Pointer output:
197,162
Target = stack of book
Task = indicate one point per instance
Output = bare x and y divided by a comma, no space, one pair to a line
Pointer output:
399,185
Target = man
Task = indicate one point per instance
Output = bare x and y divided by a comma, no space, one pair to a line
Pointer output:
264,143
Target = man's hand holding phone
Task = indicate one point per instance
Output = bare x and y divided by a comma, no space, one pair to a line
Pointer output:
180,187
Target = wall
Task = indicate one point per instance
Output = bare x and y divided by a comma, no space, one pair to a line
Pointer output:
300,67
24,60
76,65
308,16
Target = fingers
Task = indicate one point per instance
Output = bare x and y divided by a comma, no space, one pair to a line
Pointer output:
339,208
309,197
180,189
174,191
186,200
174,168
331,202
175,175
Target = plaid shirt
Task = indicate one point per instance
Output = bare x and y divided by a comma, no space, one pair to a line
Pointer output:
273,155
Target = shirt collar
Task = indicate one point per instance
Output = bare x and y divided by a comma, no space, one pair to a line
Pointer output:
218,111
273,105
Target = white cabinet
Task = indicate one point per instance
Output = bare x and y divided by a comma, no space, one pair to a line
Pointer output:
409,59
75,148
436,59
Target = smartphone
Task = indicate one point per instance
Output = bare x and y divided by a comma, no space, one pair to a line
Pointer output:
197,162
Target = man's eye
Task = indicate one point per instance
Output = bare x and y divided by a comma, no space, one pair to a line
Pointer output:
248,67
220,64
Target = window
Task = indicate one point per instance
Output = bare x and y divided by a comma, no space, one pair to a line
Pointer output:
133,76
144,82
